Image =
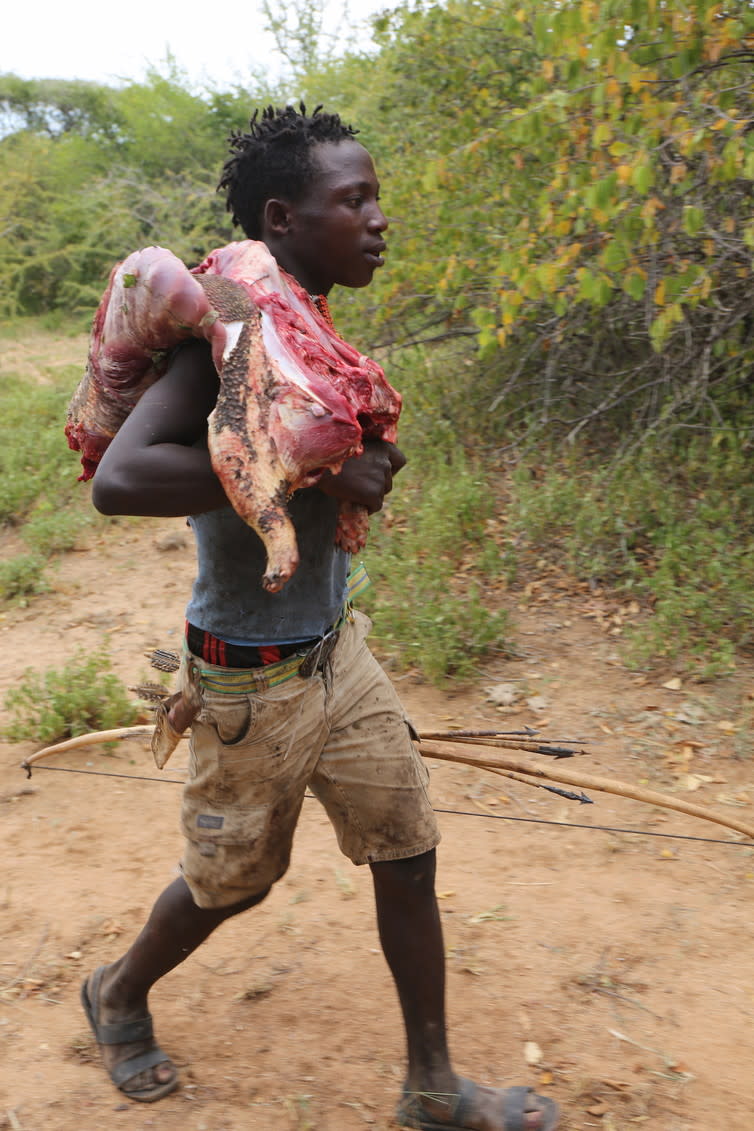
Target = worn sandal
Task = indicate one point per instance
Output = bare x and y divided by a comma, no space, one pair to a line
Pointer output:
123,1033
413,1113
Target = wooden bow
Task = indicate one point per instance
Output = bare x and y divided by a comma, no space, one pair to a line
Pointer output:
521,771
435,745
94,738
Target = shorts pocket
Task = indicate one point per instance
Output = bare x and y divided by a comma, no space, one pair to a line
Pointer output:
232,718
208,826
254,739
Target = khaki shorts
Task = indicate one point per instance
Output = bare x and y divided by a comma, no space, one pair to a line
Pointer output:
342,733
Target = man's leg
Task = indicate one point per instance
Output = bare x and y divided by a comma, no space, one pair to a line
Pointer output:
411,935
175,928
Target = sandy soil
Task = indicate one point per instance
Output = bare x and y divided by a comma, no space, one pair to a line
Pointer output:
611,969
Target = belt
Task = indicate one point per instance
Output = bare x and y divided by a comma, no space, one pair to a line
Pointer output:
269,665
216,651
305,663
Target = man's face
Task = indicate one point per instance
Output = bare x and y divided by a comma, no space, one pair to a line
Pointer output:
335,231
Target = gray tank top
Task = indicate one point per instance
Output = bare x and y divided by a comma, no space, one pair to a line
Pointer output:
228,599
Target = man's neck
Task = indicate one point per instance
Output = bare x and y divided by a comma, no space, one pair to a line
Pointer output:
289,263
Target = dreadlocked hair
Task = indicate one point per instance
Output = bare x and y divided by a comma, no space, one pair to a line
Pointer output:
274,159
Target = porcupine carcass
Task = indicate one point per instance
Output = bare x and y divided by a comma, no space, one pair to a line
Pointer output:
294,400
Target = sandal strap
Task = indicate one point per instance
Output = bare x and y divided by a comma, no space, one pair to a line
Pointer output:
125,1032
121,1073
516,1097
461,1106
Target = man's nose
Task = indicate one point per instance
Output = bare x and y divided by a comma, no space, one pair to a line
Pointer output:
378,221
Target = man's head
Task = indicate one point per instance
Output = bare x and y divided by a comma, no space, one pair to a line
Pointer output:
274,159
303,185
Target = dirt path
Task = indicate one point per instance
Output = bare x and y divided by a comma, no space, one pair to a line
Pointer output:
614,971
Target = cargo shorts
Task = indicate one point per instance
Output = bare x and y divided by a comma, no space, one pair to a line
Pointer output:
342,733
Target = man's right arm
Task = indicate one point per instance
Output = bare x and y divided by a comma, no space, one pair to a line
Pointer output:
156,464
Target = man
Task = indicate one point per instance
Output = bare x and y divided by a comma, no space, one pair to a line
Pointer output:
306,188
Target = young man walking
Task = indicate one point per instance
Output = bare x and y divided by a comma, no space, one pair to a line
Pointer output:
304,186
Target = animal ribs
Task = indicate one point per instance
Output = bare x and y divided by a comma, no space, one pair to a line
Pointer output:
294,400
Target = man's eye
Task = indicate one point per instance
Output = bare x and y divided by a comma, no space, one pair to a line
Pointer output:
354,201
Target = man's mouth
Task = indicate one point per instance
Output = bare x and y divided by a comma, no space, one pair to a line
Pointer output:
375,254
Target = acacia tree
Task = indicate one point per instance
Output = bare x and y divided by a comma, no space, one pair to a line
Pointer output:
570,185
57,106
585,183
88,174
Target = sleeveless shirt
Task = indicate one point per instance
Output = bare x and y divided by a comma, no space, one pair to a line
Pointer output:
227,597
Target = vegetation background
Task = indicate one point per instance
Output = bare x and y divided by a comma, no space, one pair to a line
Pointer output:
567,304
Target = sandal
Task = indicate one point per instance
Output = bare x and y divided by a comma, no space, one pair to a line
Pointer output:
123,1033
512,1109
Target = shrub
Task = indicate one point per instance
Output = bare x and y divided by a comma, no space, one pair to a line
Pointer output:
432,562
673,529
53,705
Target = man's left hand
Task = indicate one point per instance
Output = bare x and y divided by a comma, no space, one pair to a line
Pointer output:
367,478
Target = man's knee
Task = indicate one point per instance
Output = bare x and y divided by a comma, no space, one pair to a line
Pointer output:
416,872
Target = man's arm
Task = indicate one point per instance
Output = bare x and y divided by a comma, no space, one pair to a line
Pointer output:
151,466
156,466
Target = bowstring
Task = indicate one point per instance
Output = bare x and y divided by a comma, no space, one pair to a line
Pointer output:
449,812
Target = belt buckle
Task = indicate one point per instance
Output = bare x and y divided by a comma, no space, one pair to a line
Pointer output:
318,656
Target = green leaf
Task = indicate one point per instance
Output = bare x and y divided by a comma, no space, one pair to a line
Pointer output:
693,219
642,178
483,318
587,284
635,285
614,256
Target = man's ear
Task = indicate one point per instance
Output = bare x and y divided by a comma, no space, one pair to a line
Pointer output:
276,217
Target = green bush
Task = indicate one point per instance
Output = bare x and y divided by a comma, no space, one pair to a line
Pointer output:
34,457
40,495
22,576
50,530
431,561
674,528
53,705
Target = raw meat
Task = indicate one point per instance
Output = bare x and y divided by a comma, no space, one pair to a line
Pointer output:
294,398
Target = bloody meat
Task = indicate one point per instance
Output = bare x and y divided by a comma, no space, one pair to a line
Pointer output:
295,399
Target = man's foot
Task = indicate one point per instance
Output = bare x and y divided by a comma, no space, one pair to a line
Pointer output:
474,1108
134,1062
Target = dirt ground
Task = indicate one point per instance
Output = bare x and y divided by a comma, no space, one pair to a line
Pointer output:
611,969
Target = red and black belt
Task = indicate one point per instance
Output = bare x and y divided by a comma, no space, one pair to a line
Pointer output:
216,651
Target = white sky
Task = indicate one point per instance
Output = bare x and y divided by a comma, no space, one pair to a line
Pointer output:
108,40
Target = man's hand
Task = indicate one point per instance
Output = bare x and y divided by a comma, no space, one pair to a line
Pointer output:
367,478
